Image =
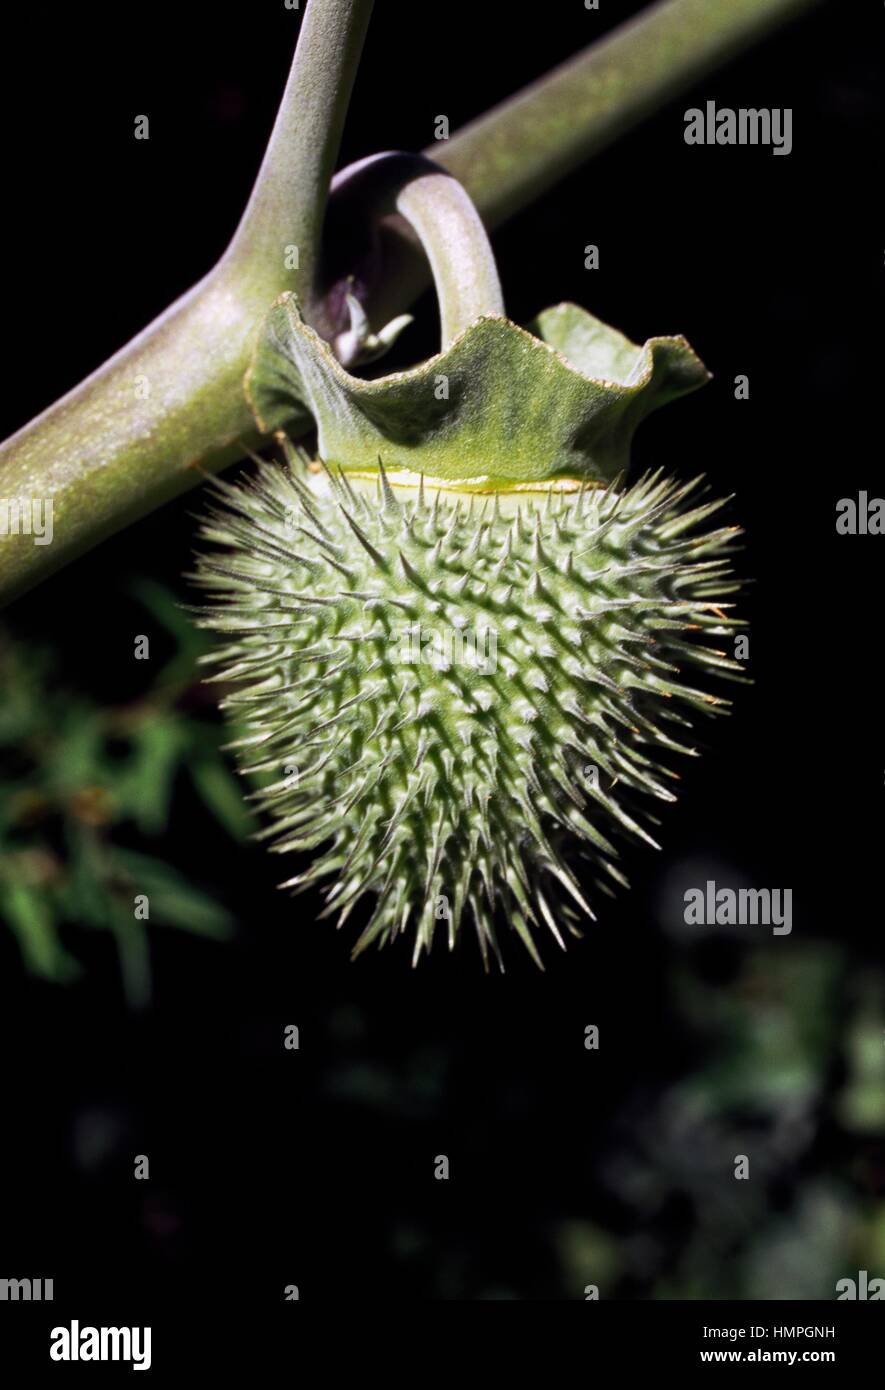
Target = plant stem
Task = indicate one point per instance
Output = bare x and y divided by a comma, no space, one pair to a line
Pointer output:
170,404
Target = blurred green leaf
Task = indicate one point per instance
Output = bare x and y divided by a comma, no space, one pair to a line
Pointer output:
80,777
144,782
174,901
30,918
223,794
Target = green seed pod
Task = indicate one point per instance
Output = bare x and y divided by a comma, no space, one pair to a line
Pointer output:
450,694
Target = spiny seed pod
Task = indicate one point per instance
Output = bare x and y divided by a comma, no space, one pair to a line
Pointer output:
449,684
461,664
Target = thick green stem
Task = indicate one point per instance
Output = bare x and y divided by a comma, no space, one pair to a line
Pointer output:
134,433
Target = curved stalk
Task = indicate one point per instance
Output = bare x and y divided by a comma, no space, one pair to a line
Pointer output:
445,221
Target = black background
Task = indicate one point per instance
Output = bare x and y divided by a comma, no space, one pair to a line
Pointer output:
266,1166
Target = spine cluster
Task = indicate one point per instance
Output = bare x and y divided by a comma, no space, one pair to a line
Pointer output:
441,696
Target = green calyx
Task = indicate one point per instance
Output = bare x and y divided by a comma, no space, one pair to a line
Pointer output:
498,408
443,694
